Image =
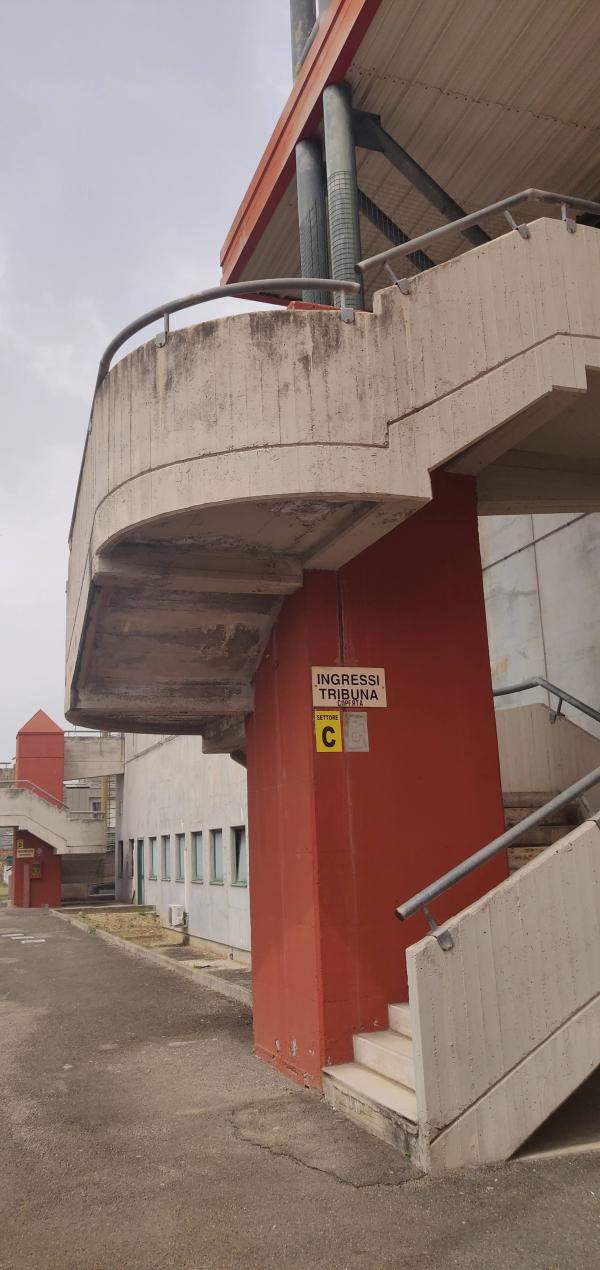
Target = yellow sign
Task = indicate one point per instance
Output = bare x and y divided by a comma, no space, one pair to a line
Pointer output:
23,852
328,731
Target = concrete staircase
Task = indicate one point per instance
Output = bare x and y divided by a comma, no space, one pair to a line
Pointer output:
377,1090
502,1027
518,806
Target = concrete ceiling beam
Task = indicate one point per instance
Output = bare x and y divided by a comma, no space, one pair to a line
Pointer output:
181,569
224,736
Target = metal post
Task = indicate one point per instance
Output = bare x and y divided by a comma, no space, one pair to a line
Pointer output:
342,188
312,216
303,18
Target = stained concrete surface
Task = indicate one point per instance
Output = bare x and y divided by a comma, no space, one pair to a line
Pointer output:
137,1130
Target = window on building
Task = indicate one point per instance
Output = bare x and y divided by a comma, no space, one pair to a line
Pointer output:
216,855
197,859
239,854
153,862
119,859
166,857
179,857
130,858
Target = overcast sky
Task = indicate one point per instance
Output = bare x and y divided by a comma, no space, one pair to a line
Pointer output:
129,132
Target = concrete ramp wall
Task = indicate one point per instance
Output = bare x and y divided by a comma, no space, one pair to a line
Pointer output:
87,756
64,831
507,1025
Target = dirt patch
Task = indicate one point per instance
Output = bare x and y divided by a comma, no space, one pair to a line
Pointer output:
139,928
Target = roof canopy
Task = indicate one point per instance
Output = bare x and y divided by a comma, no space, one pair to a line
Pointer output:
488,98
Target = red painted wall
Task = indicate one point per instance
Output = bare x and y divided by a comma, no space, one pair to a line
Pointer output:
338,840
40,756
43,890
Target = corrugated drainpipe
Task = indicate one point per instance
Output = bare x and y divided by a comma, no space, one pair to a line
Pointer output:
342,186
310,173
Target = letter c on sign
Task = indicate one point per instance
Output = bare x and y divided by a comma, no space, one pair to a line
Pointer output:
328,732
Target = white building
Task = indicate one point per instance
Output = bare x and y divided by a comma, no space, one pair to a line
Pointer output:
182,838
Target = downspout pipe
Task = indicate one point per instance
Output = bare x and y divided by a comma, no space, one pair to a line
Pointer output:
312,216
342,186
304,25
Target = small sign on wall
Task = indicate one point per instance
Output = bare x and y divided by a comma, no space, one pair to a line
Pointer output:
348,687
23,852
356,731
328,731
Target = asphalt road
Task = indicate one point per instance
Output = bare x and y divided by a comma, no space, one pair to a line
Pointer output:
137,1130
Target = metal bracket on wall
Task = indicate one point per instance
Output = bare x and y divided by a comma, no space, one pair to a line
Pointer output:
443,937
569,221
556,714
523,230
403,284
346,313
160,340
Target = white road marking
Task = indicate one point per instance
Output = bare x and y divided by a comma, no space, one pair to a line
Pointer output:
31,939
11,934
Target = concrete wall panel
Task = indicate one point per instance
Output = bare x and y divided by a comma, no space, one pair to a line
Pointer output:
171,787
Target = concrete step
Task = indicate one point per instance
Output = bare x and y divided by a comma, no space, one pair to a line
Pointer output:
399,1018
388,1054
518,856
544,835
531,799
366,1086
566,816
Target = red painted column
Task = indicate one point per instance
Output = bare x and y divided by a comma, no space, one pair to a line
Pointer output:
35,879
39,764
338,840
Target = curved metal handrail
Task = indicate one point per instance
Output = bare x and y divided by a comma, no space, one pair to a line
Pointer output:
231,290
539,682
474,218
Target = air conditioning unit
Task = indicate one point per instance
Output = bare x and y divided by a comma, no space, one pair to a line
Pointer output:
177,915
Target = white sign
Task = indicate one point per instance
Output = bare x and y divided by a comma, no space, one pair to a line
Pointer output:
349,687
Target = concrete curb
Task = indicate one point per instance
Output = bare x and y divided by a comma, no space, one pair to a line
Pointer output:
200,978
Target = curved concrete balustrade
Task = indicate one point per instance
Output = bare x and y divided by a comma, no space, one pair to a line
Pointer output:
65,831
224,462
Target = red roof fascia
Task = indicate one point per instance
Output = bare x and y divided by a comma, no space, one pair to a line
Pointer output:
342,29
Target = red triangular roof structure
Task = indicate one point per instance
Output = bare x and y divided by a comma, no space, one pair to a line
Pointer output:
40,722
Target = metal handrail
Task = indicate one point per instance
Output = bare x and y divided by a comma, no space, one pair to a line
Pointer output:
231,290
475,218
22,784
539,682
420,901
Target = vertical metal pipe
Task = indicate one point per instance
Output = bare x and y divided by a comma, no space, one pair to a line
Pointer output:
312,216
342,187
303,15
